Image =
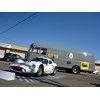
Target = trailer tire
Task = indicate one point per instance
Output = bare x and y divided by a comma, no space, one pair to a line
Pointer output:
76,69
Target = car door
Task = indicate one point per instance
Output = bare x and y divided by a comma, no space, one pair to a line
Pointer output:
48,68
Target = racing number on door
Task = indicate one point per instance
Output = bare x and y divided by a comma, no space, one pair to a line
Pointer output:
85,65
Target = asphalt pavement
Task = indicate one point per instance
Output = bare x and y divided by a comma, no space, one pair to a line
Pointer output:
61,79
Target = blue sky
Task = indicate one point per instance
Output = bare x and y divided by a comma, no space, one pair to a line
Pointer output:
74,30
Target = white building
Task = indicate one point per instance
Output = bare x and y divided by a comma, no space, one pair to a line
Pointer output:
8,48
97,65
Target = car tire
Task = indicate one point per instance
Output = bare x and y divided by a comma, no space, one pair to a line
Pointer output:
8,59
40,71
97,73
54,71
75,69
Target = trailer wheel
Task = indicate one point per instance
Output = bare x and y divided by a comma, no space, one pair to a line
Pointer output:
75,69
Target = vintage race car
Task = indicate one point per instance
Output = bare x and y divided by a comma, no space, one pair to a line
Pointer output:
38,66
96,72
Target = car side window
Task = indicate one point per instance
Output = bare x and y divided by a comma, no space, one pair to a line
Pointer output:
13,55
7,54
17,56
45,61
50,62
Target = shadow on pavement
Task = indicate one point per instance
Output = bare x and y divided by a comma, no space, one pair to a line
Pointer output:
97,85
70,72
52,82
47,81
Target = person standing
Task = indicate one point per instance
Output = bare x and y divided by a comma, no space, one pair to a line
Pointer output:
53,58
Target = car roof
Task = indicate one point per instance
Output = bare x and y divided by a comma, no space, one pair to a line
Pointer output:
44,58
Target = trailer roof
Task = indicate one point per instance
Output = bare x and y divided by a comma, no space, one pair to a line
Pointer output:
58,48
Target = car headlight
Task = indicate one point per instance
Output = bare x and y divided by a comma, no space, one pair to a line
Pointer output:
33,66
23,70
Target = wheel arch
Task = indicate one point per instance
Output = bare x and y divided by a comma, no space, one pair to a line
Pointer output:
41,65
77,67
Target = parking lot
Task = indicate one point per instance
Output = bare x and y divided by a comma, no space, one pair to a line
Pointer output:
61,79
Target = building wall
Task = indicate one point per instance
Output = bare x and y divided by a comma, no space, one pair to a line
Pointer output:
12,49
2,52
22,54
97,67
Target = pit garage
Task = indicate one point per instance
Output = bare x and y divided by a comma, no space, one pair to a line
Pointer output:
8,48
2,52
97,66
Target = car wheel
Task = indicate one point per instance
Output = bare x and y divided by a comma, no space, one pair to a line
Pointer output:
40,71
75,69
97,73
8,59
54,71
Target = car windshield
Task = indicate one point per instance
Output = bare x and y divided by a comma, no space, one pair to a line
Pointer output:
37,59
44,61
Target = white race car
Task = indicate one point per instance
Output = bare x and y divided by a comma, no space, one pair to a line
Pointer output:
96,72
38,66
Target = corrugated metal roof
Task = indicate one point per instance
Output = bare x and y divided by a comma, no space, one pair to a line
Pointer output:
58,48
19,48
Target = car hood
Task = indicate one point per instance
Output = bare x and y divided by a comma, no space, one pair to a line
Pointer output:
35,62
25,66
